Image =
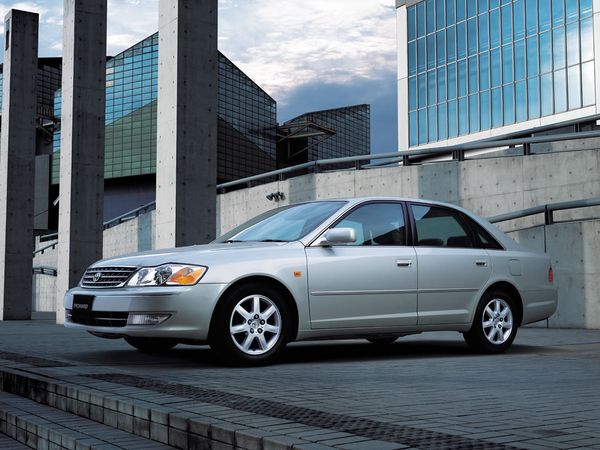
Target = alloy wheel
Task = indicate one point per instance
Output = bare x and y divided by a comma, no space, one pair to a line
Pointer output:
255,325
497,321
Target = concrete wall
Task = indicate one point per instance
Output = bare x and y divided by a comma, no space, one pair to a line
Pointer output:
487,186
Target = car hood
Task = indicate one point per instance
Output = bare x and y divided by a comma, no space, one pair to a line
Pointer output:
189,255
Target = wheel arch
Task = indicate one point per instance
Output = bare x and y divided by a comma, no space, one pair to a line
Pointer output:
512,291
264,280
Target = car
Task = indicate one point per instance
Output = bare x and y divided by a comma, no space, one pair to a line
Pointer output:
374,268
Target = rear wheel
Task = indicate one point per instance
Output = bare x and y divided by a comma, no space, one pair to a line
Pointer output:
151,345
382,340
495,325
251,325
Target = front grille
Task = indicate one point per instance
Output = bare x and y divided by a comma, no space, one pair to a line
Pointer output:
106,277
100,318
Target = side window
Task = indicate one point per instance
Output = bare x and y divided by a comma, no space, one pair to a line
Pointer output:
440,227
483,239
377,224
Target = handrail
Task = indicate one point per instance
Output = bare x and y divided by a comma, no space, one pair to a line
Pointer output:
42,270
547,210
43,249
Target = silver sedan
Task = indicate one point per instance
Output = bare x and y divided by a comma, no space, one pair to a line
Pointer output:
374,268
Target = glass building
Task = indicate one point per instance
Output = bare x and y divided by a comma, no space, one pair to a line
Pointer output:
478,68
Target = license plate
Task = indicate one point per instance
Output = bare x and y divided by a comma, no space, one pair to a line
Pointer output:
82,305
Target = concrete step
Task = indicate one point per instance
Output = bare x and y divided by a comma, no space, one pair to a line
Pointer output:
43,427
8,443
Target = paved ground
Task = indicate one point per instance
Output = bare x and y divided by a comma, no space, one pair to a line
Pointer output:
543,393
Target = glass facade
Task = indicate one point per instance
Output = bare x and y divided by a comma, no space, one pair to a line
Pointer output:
474,65
247,118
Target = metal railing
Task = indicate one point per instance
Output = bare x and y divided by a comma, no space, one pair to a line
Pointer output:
548,210
41,270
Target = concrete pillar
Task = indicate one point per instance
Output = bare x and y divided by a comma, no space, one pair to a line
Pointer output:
187,123
81,200
17,164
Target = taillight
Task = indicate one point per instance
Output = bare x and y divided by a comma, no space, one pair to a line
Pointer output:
550,276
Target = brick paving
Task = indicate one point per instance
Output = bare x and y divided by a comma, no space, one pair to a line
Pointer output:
425,391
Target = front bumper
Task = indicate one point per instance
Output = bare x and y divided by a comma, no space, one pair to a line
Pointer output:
191,309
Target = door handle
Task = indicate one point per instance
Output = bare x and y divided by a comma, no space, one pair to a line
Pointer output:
481,263
404,262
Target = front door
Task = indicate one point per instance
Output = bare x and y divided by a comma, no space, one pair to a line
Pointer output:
370,283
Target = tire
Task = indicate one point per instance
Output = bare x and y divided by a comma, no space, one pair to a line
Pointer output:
151,345
491,332
382,340
244,334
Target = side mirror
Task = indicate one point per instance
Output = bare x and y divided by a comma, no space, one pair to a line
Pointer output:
340,236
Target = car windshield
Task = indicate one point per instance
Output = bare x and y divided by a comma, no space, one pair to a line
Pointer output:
285,224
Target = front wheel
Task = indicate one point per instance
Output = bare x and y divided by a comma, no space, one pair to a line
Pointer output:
495,325
251,326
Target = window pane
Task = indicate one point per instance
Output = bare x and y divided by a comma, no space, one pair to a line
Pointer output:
461,40
430,16
413,126
421,19
451,44
441,84
377,224
532,56
588,83
412,23
484,71
463,116
558,44
412,93
472,34
531,16
422,94
451,81
574,87
509,104
431,88
412,57
494,4
572,10
473,75
482,6
545,15
422,126
432,123
484,105
547,95
440,21
558,13
507,64
560,91
494,28
519,19
441,48
440,227
496,107
474,113
483,32
471,8
496,67
573,43
585,8
520,95
546,52
431,51
452,119
520,60
461,10
507,24
442,130
587,36
533,98
462,78
450,12
421,55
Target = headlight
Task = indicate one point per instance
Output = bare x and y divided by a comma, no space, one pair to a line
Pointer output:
168,275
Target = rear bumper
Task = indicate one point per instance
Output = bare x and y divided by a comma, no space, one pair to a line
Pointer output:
539,305
191,309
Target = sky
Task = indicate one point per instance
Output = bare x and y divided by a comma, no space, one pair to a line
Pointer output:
308,55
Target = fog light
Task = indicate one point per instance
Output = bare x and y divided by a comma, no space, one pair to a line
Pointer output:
147,319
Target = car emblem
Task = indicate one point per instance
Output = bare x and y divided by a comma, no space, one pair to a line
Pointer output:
97,277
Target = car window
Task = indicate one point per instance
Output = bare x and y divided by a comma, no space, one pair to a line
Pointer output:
483,239
440,227
376,224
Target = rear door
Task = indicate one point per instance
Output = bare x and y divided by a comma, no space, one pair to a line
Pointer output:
452,270
370,283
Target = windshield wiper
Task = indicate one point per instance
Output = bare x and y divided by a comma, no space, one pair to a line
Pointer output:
231,241
272,240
